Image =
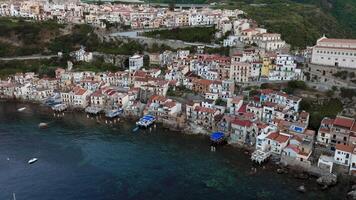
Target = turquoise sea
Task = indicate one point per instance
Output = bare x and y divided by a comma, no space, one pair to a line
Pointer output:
80,159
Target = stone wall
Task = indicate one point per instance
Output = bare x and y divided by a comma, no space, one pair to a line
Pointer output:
324,75
305,166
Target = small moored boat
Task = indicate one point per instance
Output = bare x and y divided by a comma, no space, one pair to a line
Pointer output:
146,121
21,109
42,125
33,160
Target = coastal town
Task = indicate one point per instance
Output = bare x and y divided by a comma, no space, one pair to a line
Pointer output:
195,92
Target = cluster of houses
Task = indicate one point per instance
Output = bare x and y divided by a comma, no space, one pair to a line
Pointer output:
268,121
229,23
137,16
244,66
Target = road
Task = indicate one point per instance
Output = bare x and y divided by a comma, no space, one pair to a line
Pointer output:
32,57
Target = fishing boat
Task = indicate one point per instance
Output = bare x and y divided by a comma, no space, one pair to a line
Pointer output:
21,109
146,121
33,160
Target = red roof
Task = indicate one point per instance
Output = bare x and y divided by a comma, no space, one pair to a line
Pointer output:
272,135
158,98
203,81
281,138
293,147
345,148
204,109
242,108
80,91
170,104
335,40
278,137
244,123
344,122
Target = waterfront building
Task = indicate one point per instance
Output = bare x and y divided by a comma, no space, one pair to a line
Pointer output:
343,154
341,130
277,142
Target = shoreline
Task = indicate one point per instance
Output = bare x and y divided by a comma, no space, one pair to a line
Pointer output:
273,164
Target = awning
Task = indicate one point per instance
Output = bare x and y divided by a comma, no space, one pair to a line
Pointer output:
216,136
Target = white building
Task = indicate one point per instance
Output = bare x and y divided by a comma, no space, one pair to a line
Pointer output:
269,41
286,69
343,154
135,62
335,52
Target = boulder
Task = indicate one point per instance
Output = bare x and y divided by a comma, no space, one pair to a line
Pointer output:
328,180
352,194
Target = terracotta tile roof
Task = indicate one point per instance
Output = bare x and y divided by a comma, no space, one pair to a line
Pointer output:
335,40
341,48
97,93
80,91
345,148
269,104
272,135
281,138
140,73
158,98
344,122
170,104
294,148
266,91
204,109
354,127
244,123
203,82
242,108
278,137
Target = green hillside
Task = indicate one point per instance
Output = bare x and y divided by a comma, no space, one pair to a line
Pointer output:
300,22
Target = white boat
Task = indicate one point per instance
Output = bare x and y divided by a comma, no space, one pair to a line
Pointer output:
21,109
33,160
42,125
146,121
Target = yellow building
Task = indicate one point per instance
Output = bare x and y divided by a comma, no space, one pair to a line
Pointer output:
268,64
